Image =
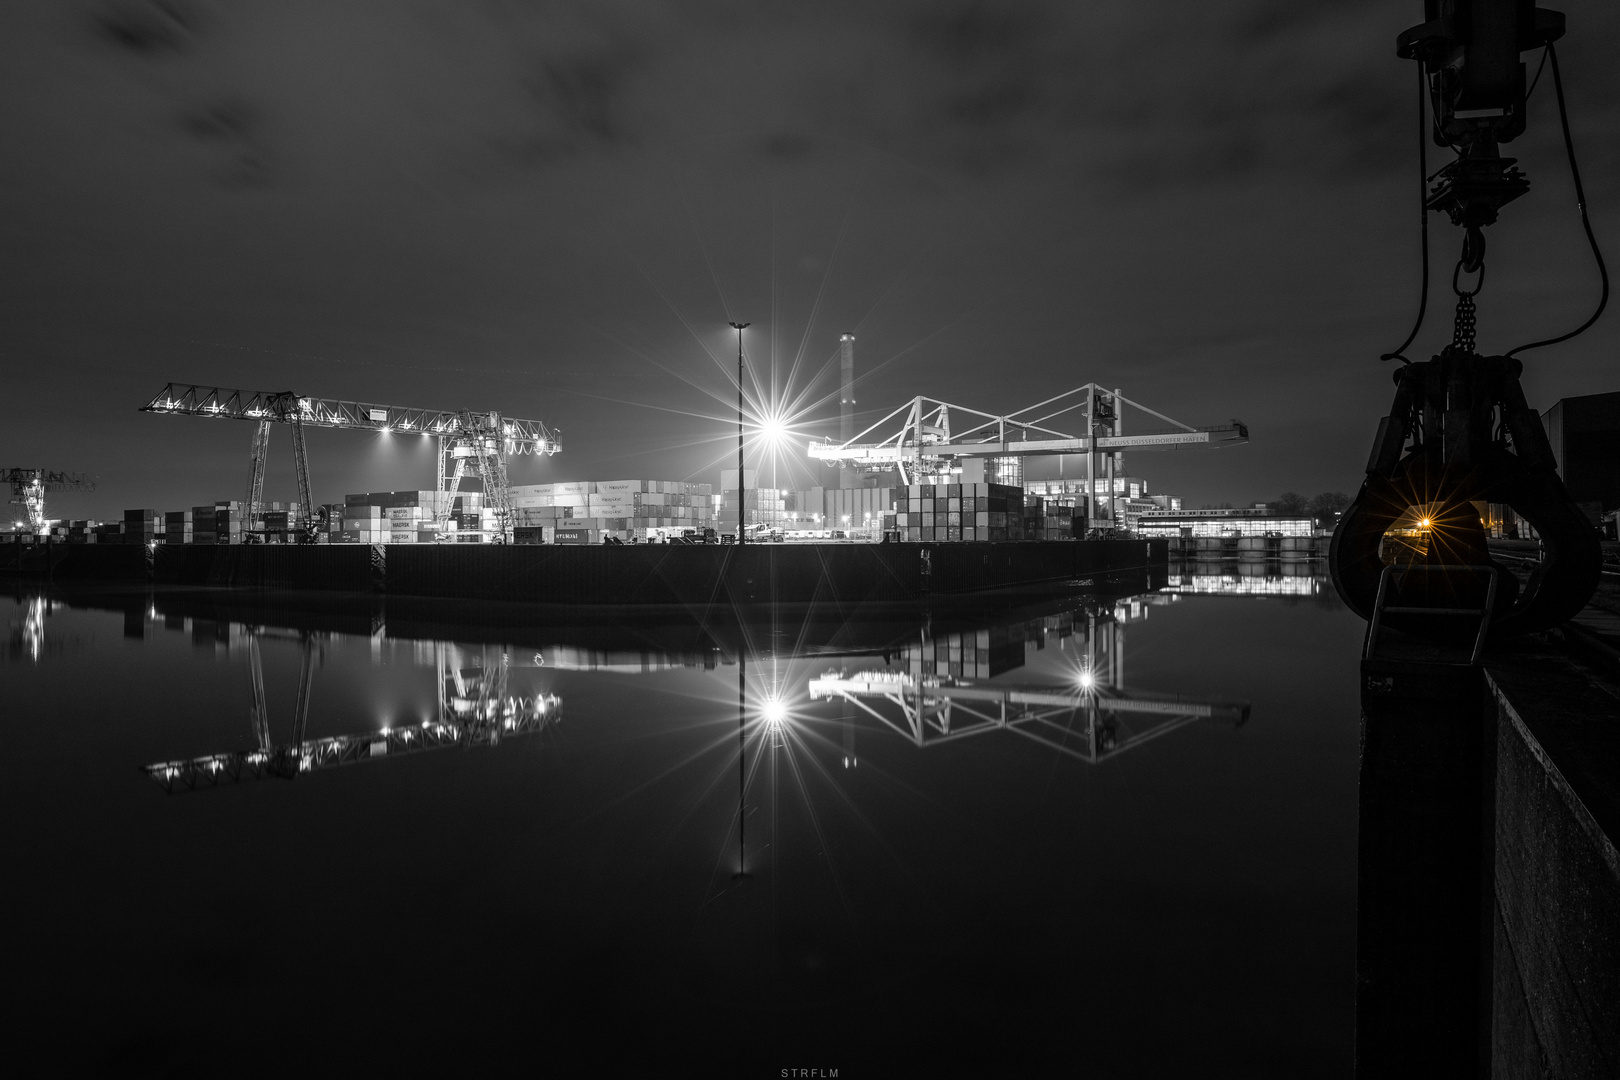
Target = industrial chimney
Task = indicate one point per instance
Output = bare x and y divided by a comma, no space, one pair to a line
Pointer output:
846,401
846,398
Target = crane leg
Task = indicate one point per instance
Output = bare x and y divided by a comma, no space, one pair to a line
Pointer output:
301,463
492,470
35,500
261,449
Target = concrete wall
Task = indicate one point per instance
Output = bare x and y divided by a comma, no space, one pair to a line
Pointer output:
1248,547
760,573
1488,916
1557,893
633,574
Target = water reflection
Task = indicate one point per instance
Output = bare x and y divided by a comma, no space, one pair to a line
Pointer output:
475,707
28,641
938,691
925,681
1274,578
28,632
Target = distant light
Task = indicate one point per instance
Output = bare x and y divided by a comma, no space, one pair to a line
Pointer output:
774,711
1424,523
1087,680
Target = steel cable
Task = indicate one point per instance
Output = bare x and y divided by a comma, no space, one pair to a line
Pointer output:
1423,216
1580,204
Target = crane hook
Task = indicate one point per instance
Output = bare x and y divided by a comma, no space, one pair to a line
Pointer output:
1473,249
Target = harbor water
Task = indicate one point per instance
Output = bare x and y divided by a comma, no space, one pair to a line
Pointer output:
1094,835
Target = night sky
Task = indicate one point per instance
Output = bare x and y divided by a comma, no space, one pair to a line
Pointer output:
554,209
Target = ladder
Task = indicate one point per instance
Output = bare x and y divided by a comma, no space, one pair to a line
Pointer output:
1381,606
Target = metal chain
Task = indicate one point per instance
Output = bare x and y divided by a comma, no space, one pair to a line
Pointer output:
1462,327
1462,332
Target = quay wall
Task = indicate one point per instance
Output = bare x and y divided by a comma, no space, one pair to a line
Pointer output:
1248,547
103,562
1556,894
1488,905
656,574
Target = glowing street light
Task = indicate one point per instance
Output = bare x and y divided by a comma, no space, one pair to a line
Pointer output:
773,430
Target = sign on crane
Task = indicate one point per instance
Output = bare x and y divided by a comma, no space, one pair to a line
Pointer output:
486,439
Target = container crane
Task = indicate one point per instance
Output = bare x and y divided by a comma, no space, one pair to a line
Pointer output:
486,439
28,488
924,443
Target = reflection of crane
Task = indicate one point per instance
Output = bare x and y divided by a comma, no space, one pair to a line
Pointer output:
474,709
28,488
936,704
28,635
925,445
484,438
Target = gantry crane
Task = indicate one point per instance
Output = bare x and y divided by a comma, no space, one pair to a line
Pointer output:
924,444
486,439
28,488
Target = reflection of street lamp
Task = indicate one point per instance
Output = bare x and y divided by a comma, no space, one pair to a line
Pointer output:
742,774
741,486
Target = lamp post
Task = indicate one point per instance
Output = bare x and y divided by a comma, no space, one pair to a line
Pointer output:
742,486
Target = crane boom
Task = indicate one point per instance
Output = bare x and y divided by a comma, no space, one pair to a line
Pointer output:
520,436
485,439
918,439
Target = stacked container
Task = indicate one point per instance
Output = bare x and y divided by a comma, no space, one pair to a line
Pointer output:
586,512
951,512
142,526
405,517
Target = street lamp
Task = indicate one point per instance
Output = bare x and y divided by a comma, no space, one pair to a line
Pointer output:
742,485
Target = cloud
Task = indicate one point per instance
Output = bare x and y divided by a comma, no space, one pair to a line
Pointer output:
145,27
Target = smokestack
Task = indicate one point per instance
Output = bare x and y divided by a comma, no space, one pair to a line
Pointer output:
846,397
